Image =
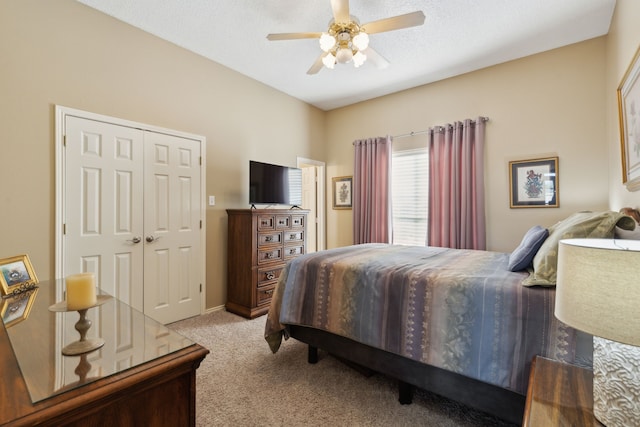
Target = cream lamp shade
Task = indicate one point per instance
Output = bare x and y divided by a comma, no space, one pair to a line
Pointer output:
598,287
598,292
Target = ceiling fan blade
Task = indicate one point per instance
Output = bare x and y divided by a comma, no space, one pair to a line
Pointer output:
375,58
412,19
340,10
293,36
317,66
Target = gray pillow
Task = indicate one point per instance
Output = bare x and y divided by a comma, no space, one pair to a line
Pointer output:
522,256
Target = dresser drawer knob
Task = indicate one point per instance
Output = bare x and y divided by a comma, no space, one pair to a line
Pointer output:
268,238
269,292
292,236
292,251
270,275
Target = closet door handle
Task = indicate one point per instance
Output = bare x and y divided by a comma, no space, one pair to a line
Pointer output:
150,239
135,240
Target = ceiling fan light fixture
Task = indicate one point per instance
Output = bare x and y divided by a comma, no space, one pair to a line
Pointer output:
345,40
327,42
361,40
344,55
358,59
329,61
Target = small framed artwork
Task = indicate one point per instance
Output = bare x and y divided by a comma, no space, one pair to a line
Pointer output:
534,183
16,274
16,308
342,192
629,118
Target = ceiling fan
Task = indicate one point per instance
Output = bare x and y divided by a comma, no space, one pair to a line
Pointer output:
346,40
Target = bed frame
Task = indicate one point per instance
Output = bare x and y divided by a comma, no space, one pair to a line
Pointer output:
492,399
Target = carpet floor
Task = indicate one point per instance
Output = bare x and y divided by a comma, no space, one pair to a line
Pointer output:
241,383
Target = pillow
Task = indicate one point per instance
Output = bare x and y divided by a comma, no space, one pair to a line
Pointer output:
621,233
522,256
578,225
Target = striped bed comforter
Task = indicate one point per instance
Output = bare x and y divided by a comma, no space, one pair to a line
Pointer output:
460,310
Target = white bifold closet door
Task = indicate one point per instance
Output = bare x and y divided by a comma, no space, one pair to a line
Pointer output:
132,215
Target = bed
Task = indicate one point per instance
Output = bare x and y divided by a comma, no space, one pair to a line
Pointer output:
455,322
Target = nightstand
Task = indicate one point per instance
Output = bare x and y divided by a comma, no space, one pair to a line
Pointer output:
559,394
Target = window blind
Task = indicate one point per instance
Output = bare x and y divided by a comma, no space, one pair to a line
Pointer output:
410,196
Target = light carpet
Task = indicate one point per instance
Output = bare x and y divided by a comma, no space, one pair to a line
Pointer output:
241,383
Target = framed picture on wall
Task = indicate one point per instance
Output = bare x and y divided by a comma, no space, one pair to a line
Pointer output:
534,183
629,118
342,192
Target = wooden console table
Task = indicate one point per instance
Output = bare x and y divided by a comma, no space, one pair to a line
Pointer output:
143,375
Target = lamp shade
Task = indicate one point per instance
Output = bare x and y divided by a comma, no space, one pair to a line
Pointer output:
598,287
344,55
361,41
327,42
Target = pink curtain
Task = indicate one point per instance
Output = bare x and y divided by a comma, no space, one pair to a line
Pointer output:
456,185
371,190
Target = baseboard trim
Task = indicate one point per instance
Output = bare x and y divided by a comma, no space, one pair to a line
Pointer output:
213,309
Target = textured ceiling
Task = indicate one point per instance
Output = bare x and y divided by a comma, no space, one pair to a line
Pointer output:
458,36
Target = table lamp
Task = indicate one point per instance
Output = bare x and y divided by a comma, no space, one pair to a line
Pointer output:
598,292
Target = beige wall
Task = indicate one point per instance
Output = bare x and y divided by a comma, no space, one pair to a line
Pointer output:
550,104
61,52
622,43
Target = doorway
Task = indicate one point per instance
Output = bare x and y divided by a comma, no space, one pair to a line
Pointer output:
313,199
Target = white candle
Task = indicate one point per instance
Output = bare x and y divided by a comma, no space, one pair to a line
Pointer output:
81,291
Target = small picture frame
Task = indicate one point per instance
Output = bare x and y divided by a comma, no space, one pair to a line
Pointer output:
16,274
17,307
629,119
342,192
534,183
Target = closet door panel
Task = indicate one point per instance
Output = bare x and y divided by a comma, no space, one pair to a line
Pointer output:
102,213
172,227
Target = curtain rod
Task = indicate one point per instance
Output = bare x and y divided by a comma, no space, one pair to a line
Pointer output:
413,133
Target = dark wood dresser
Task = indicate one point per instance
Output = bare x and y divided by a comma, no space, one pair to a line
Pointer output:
260,242
143,375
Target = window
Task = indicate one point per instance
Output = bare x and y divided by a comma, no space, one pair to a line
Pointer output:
409,192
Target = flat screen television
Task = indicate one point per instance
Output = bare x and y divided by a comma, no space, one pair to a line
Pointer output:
271,184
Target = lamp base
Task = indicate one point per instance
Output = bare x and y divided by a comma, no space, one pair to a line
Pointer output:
616,383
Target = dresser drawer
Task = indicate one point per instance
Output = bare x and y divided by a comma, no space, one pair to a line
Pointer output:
293,251
297,221
266,222
293,236
264,294
269,255
269,238
269,275
283,222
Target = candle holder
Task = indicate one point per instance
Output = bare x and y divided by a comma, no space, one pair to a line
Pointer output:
83,345
82,370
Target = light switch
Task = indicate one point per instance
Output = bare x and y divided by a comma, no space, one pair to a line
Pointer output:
212,200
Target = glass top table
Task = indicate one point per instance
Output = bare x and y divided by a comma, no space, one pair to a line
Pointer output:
38,335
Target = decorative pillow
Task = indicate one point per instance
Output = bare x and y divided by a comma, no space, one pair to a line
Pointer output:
578,225
522,256
621,233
